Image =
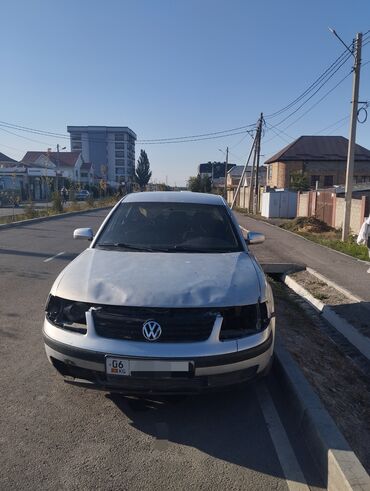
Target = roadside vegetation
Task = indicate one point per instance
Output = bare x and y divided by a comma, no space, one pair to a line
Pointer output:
313,229
56,208
199,184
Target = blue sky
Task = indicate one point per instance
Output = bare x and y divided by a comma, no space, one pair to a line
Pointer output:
169,68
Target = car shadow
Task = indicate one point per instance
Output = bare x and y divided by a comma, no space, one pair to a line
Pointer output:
15,252
228,426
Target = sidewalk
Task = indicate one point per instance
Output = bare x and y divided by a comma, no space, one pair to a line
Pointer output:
344,271
282,246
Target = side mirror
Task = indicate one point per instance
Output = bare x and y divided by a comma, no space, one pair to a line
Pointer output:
254,238
83,233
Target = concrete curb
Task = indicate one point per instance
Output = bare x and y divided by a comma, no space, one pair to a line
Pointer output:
361,342
331,283
30,221
338,464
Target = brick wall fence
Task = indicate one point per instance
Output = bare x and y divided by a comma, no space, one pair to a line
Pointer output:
331,211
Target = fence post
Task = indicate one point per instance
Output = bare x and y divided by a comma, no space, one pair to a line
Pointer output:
334,209
363,207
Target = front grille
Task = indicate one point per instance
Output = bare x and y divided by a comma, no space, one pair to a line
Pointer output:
178,325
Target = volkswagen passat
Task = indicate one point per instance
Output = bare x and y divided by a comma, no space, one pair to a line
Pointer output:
167,298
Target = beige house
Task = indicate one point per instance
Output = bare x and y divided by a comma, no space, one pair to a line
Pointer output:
322,159
234,175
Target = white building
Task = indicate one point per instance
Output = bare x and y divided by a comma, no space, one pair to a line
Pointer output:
110,149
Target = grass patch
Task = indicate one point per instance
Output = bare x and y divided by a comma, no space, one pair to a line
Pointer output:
349,247
321,296
313,229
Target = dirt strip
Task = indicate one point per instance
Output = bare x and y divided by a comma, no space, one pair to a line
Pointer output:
341,386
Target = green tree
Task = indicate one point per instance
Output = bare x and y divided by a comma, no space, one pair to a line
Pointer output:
194,183
206,184
199,184
298,182
142,171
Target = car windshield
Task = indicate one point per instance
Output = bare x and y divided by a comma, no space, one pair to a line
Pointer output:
170,227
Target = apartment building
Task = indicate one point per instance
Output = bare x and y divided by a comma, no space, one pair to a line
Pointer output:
110,149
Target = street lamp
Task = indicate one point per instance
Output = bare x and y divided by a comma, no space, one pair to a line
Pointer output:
57,168
341,40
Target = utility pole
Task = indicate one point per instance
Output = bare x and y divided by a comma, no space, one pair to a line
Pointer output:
251,181
226,165
57,170
352,138
258,152
253,185
243,173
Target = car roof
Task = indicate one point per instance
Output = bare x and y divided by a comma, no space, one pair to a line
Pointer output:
174,197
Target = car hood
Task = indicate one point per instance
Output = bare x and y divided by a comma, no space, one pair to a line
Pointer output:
160,279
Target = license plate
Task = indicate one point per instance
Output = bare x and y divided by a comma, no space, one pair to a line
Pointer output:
117,366
124,367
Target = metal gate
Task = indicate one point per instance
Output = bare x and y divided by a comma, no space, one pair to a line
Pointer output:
325,207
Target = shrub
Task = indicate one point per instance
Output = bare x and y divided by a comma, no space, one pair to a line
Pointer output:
57,205
90,201
29,210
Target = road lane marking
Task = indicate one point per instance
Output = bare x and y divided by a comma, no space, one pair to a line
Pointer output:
53,257
288,461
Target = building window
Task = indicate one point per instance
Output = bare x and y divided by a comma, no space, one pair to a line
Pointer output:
269,172
313,181
120,161
120,154
119,137
120,146
76,145
120,171
83,174
328,181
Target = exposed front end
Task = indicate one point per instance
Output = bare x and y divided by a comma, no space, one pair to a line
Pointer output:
158,350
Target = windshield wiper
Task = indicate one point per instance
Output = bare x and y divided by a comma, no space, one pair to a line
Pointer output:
131,247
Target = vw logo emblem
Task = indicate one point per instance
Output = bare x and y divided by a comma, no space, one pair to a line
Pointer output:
152,330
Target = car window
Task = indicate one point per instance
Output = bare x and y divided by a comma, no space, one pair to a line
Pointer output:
172,227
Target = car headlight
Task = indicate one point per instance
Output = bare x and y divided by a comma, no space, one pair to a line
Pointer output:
67,314
242,321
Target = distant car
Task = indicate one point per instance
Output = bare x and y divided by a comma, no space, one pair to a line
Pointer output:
167,298
82,195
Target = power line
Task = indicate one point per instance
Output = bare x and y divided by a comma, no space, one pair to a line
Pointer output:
196,136
332,125
314,93
322,80
310,108
24,137
310,88
277,134
164,142
321,99
201,135
159,142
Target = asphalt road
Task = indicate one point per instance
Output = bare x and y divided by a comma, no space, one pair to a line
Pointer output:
283,246
54,436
